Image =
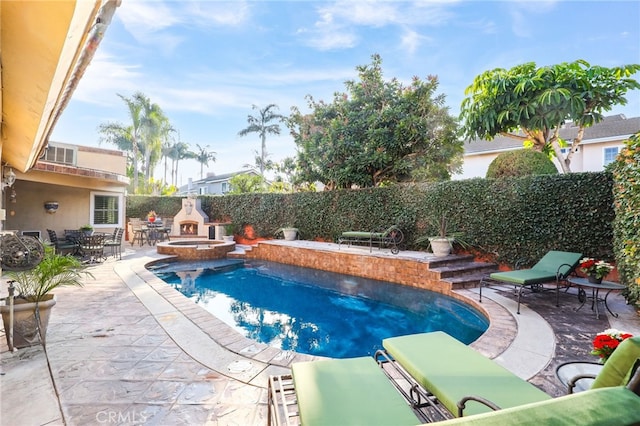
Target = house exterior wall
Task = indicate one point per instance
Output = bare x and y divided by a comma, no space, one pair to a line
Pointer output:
28,213
588,158
101,159
95,173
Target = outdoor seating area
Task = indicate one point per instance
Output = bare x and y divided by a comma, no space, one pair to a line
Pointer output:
555,266
448,383
88,246
149,232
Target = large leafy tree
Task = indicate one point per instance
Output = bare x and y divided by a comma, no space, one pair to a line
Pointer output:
203,156
531,104
263,125
378,131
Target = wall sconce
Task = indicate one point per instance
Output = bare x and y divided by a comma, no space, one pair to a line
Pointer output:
9,178
51,206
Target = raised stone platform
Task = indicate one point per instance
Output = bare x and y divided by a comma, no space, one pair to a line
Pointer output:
196,249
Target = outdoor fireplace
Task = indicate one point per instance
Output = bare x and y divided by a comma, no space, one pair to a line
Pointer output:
189,228
191,220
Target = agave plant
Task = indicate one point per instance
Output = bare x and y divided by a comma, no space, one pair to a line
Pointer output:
52,272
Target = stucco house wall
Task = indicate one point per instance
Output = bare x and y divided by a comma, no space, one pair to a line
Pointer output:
590,157
96,173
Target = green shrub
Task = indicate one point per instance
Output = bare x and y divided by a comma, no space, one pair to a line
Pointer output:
626,173
521,162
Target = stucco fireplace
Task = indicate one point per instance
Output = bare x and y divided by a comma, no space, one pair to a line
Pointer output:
191,220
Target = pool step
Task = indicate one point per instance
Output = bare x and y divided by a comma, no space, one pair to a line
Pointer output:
463,273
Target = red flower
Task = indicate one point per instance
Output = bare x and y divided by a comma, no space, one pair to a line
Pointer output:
606,342
588,264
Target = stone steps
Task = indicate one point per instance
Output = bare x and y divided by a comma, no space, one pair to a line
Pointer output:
461,271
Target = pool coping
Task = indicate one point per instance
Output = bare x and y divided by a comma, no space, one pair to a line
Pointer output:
512,341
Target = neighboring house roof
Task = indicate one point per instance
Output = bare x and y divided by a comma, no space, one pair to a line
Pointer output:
212,179
610,127
224,177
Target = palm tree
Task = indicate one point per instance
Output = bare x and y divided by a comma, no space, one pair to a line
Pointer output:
203,157
180,151
148,127
261,126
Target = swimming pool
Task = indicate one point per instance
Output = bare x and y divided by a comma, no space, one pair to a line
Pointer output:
317,312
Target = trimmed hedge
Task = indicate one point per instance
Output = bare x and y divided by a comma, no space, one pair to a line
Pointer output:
626,172
521,162
506,219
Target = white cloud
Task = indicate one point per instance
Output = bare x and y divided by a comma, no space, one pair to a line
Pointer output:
151,22
105,77
411,41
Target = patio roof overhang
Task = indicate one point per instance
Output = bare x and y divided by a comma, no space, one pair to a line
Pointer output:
45,46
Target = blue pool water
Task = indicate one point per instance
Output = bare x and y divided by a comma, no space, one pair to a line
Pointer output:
317,312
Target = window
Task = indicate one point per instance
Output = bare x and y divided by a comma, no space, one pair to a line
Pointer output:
60,154
609,154
202,190
225,187
106,209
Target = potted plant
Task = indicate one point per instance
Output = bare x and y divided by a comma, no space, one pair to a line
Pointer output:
229,232
33,300
289,233
87,229
442,243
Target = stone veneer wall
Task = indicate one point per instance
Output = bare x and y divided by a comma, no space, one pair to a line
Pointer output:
396,269
199,250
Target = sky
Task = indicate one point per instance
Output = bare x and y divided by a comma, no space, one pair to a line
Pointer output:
205,63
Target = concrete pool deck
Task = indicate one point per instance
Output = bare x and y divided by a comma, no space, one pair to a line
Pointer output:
128,349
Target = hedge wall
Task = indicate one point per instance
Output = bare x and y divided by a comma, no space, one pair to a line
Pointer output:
626,172
507,219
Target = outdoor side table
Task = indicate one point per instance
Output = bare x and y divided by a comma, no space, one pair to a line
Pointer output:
583,283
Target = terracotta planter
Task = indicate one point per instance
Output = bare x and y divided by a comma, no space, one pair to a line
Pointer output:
441,246
25,332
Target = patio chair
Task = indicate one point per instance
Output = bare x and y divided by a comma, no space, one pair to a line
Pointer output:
139,231
391,237
62,246
583,375
555,266
92,248
450,378
115,242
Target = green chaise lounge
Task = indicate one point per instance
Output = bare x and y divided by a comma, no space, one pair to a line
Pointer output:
356,391
555,266
392,237
613,406
343,392
440,366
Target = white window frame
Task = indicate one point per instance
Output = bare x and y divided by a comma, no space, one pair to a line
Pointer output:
120,223
604,154
202,190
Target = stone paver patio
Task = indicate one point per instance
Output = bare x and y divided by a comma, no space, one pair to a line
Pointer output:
127,349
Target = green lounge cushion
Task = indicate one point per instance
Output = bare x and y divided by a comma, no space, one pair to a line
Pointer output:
352,391
616,371
612,406
362,234
451,370
543,271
